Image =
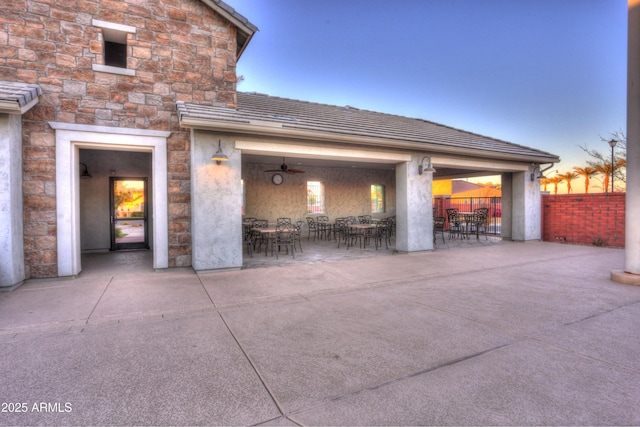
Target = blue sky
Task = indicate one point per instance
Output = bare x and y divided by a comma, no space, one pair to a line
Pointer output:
549,74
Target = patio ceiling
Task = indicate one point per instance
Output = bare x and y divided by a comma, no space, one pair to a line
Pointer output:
272,162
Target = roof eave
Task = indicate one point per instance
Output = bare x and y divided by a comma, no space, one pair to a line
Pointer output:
11,106
279,130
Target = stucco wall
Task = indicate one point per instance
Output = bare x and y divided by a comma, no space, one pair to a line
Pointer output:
11,232
347,192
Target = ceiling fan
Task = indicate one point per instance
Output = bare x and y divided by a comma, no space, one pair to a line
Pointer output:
285,169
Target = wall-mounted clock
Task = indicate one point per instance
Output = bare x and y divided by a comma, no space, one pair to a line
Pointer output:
277,179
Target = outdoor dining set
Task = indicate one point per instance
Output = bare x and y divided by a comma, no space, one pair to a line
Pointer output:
285,234
461,223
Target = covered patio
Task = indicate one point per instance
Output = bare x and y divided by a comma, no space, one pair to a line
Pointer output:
347,150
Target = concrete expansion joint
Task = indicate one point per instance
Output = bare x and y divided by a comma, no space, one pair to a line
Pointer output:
405,377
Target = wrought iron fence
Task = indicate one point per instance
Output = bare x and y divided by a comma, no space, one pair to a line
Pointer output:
468,204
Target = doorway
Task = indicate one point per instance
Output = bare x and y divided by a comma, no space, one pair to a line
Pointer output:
70,139
129,213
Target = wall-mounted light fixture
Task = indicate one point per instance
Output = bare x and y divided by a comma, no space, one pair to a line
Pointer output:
612,144
428,169
219,157
85,173
540,172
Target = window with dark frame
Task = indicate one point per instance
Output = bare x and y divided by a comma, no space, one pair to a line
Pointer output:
115,54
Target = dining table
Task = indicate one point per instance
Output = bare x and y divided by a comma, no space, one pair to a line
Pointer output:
364,227
467,218
266,233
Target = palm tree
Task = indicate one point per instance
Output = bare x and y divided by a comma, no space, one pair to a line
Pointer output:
605,169
555,181
568,177
544,182
587,172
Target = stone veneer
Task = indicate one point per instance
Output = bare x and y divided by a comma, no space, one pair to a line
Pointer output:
181,51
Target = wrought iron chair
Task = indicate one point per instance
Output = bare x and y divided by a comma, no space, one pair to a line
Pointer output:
256,236
297,237
438,227
322,226
382,233
285,236
313,228
455,223
479,221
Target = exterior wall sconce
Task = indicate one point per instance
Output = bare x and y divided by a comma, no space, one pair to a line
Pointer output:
612,144
219,157
540,174
428,169
85,173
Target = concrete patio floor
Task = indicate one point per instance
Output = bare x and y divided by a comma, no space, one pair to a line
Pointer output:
493,334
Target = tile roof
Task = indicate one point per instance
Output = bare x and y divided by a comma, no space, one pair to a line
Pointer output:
21,93
260,109
235,14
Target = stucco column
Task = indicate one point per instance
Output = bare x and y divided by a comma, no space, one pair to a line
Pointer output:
526,207
631,273
216,203
506,215
414,214
11,233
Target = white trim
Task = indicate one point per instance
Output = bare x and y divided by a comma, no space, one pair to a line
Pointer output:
113,26
113,70
107,129
311,151
481,164
69,140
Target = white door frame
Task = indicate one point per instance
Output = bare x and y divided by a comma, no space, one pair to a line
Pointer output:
70,138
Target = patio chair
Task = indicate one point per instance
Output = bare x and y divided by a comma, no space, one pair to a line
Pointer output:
256,236
479,222
322,226
455,223
379,234
284,237
297,237
248,242
338,229
438,227
352,234
313,228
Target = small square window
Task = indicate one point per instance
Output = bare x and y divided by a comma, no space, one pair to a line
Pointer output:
115,54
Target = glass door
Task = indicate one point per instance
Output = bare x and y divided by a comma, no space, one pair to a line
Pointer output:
129,225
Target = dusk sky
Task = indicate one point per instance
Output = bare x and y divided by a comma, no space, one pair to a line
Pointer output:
549,74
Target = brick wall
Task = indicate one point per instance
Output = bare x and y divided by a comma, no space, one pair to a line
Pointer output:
584,218
182,51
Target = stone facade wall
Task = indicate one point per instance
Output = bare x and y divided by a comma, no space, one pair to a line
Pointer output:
585,219
182,51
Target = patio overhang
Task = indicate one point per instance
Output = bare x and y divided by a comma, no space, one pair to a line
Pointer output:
18,98
257,128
